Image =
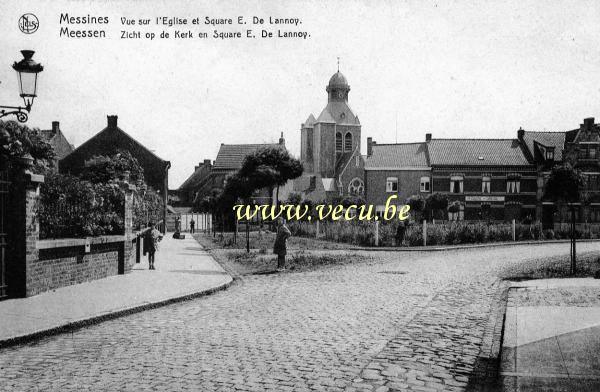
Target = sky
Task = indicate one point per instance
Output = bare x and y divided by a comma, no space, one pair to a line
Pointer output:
456,69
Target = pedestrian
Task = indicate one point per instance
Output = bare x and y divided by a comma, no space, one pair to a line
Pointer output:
151,239
280,246
400,233
177,224
192,226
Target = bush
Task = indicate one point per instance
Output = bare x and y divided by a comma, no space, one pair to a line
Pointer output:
70,207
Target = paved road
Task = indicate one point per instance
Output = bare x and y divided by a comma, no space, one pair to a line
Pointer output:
406,321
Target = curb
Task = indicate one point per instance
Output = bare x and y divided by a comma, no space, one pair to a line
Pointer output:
75,325
467,246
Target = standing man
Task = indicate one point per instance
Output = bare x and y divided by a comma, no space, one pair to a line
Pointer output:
192,225
151,239
401,232
280,246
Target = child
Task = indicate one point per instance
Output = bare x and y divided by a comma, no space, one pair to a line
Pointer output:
151,239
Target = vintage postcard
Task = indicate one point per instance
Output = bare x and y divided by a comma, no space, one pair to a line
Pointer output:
335,195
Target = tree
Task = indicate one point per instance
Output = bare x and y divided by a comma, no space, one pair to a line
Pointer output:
270,167
434,203
417,205
566,186
103,169
18,140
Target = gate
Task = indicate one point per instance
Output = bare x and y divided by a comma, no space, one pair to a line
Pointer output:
4,188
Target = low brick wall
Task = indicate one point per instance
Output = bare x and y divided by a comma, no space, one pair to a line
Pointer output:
67,261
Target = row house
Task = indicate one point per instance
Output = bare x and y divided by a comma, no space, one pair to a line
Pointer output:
488,179
491,179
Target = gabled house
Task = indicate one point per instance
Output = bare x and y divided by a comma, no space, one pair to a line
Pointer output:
58,141
108,142
401,170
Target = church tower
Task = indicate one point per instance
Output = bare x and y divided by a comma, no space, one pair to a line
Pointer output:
334,134
330,145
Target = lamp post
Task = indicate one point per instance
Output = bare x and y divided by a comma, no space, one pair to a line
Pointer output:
27,71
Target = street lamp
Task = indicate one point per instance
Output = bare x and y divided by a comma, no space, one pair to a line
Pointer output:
27,71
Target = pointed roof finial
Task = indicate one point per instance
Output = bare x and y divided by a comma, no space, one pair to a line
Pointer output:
338,63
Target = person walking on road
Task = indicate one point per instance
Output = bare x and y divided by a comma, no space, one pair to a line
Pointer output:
192,226
151,240
280,246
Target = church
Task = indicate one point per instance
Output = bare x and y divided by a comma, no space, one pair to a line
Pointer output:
330,148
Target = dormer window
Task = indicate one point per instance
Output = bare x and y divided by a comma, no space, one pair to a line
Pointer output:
550,154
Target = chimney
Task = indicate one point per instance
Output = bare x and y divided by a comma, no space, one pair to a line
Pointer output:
112,121
282,140
428,137
588,123
370,144
520,133
55,127
207,162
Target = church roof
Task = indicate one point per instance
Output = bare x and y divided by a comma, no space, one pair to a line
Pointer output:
310,121
338,112
325,117
338,80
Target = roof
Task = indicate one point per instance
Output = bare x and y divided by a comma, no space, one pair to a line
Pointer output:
548,139
338,112
338,80
200,175
231,156
341,162
401,155
108,129
476,152
310,121
57,141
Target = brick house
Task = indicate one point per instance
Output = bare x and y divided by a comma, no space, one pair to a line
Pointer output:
58,141
208,177
330,148
581,148
489,178
108,142
400,169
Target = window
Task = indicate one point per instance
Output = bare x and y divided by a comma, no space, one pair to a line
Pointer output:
486,184
456,184
338,141
348,142
357,161
592,152
550,154
582,153
513,186
425,184
391,184
356,187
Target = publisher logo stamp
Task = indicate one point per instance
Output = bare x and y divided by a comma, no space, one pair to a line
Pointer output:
28,23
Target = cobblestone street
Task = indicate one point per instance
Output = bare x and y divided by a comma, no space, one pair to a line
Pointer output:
405,321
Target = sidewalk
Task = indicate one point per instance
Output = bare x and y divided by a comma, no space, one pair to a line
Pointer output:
183,270
552,336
